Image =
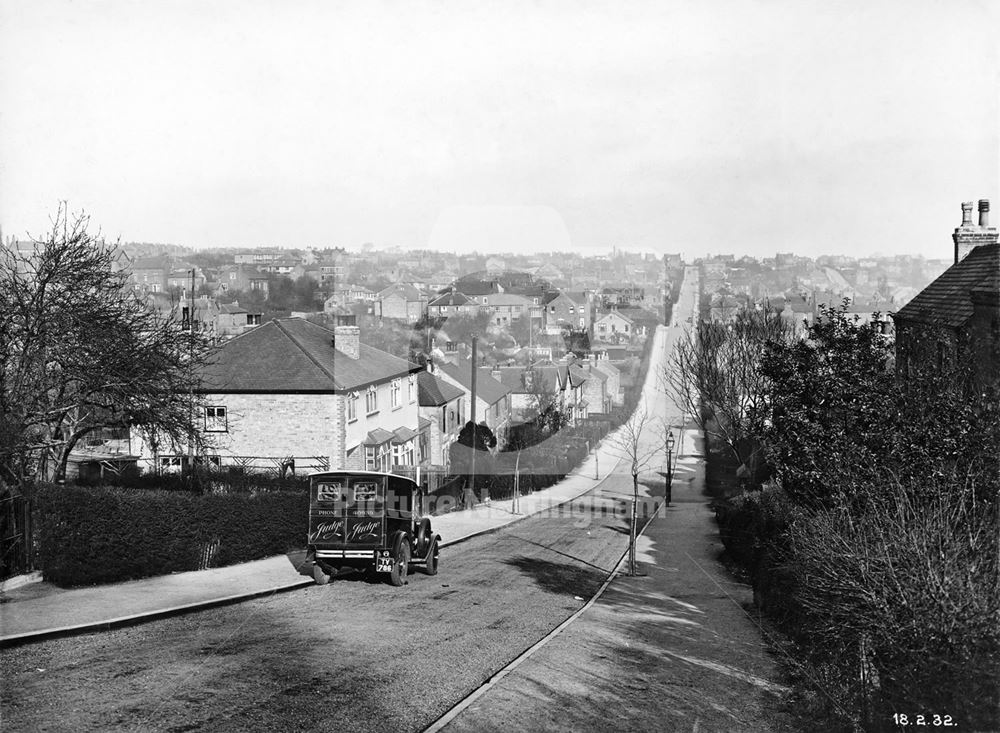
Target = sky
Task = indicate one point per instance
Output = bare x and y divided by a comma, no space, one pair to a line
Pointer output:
817,127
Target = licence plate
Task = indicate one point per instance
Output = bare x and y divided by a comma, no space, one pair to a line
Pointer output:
383,563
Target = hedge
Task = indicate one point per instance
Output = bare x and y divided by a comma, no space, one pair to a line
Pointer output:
91,535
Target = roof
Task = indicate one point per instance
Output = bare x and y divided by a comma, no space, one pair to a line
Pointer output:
292,355
453,298
378,436
433,392
947,301
509,299
488,389
403,290
551,378
576,297
618,314
479,287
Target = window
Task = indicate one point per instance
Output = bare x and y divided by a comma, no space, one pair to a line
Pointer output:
171,463
253,319
352,406
377,457
409,390
371,400
394,393
552,309
571,311
215,420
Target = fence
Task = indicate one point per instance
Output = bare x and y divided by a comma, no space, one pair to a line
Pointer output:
18,555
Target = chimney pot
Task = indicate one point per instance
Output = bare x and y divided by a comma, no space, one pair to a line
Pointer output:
984,213
966,213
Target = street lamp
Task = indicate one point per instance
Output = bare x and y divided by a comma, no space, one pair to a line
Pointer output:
668,477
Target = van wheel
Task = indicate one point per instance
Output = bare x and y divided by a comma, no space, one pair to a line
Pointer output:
431,567
401,565
320,576
423,536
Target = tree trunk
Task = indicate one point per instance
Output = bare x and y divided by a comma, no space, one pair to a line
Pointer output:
68,448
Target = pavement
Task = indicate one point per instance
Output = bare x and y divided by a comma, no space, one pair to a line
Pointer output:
36,610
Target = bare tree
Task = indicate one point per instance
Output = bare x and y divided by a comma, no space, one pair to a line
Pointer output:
633,442
714,374
80,351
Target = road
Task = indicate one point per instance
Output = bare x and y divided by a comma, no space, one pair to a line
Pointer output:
351,655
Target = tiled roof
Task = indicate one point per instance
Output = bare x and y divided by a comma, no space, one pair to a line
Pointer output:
454,298
404,290
488,389
947,301
552,378
294,355
433,392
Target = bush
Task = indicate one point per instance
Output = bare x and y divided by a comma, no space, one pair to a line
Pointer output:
91,535
901,605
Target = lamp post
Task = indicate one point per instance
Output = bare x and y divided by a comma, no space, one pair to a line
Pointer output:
668,478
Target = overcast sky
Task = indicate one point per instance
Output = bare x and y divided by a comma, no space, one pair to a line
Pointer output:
701,127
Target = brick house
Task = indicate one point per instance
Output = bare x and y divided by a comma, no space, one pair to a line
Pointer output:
564,385
293,390
613,327
442,406
401,301
493,401
452,304
567,308
954,321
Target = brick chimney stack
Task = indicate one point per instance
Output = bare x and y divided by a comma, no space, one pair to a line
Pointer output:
347,340
969,236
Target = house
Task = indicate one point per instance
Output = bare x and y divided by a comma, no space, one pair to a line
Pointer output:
297,394
442,406
493,401
505,308
183,278
452,304
955,321
567,308
401,301
556,382
613,385
614,327
245,278
233,319
149,274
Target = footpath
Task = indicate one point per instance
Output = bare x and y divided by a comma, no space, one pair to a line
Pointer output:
675,648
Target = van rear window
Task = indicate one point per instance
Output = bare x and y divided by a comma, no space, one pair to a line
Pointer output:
365,491
330,492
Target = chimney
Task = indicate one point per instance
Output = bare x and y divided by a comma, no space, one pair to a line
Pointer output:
347,340
968,236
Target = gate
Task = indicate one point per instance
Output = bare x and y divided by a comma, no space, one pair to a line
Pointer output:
17,555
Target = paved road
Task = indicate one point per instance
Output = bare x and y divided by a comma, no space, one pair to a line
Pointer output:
348,656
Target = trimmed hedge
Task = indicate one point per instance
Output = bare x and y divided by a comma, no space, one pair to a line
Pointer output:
91,535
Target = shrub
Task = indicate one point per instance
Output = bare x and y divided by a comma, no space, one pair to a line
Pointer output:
900,604
91,535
